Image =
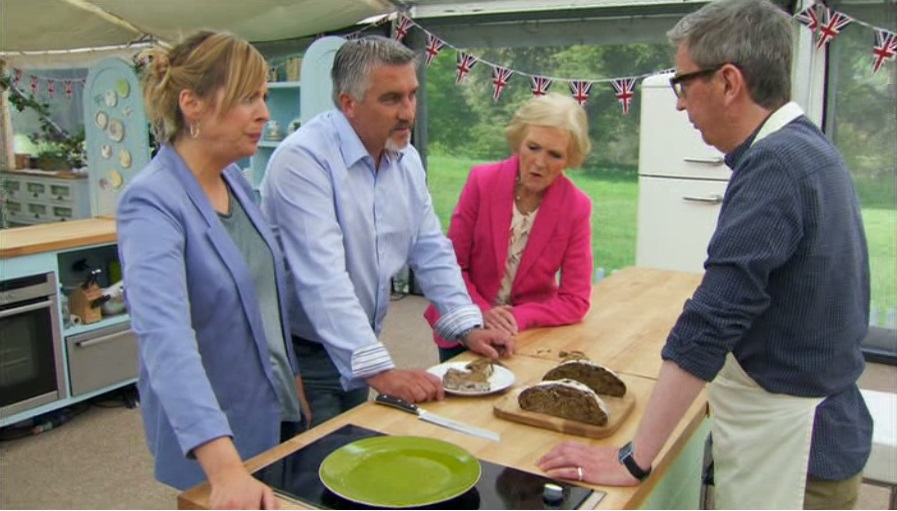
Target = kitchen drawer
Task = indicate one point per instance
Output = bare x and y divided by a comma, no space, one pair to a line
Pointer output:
101,358
13,187
669,144
676,218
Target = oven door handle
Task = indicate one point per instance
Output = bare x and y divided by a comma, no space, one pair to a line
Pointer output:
99,340
26,308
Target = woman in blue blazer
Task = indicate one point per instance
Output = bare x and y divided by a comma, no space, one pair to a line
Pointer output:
204,276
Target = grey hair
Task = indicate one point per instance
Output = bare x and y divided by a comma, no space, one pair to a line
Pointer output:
554,111
754,35
354,60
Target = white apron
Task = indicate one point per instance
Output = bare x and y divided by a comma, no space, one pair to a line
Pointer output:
761,441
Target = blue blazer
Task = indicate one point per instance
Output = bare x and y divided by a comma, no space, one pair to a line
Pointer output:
205,369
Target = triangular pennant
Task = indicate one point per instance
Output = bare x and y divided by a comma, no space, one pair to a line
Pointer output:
466,62
809,18
434,45
625,91
540,85
500,78
403,25
885,48
51,87
581,90
69,88
832,24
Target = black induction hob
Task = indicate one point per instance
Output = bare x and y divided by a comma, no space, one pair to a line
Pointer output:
296,476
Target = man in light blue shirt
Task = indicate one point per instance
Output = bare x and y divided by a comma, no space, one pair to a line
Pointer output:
347,196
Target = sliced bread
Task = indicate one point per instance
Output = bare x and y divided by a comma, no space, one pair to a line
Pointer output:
567,399
597,377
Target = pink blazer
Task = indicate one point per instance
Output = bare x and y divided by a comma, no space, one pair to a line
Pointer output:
561,240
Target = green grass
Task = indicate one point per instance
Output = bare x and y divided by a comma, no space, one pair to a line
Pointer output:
614,217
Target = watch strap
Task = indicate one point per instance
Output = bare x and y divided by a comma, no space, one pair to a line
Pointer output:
628,461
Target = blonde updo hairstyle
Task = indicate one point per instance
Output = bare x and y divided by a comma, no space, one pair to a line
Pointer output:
203,63
554,111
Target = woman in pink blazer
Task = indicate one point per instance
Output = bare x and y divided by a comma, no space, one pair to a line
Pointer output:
520,222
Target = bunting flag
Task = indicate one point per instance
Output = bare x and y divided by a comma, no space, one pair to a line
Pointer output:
35,84
434,46
403,25
832,25
51,87
500,78
540,85
809,18
69,88
466,62
16,76
625,88
581,90
885,48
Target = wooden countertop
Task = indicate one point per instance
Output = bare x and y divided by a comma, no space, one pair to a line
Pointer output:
522,445
632,314
35,239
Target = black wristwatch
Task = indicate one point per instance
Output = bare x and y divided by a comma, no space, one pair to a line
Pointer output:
625,457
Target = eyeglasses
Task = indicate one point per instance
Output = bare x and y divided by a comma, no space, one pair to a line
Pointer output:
678,82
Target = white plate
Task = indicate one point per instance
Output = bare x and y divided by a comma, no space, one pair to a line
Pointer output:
501,378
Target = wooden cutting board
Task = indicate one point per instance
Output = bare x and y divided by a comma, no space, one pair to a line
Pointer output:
620,408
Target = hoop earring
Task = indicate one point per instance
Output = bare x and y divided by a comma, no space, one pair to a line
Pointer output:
194,130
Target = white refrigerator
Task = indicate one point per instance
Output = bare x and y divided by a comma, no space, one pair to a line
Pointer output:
681,184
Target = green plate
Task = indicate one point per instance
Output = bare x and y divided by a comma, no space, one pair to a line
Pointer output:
399,471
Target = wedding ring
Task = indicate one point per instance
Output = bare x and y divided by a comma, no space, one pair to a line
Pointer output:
579,473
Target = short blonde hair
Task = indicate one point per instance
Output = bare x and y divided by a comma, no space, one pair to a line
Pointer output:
203,63
555,111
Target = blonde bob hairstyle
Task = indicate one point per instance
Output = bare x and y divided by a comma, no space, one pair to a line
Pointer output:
554,111
202,63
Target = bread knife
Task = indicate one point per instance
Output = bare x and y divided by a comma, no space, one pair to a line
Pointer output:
433,418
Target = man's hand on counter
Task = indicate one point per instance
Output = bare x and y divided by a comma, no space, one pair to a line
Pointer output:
412,385
596,465
490,342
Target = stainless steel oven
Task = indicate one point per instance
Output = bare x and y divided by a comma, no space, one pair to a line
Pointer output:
31,371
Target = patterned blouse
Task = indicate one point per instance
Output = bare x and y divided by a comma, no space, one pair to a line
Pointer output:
521,225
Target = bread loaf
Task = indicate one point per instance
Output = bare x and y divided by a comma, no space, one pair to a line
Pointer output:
567,399
473,378
598,378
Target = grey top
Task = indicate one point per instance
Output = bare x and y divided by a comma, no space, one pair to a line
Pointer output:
261,266
786,289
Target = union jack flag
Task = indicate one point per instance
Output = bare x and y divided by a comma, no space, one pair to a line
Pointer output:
625,88
500,78
16,76
69,88
434,45
885,48
466,62
809,18
403,25
51,87
831,27
34,85
540,85
581,90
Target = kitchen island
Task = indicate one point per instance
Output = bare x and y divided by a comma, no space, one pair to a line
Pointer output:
640,305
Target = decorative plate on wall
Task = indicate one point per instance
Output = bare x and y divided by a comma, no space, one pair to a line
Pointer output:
102,119
111,98
106,151
122,87
115,130
124,158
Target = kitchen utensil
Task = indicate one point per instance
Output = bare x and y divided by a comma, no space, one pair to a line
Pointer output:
433,418
501,378
388,471
620,407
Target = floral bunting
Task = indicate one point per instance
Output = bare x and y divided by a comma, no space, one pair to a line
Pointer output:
885,48
466,62
434,46
500,77
540,85
625,91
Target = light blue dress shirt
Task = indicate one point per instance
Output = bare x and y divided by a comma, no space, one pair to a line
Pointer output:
346,230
